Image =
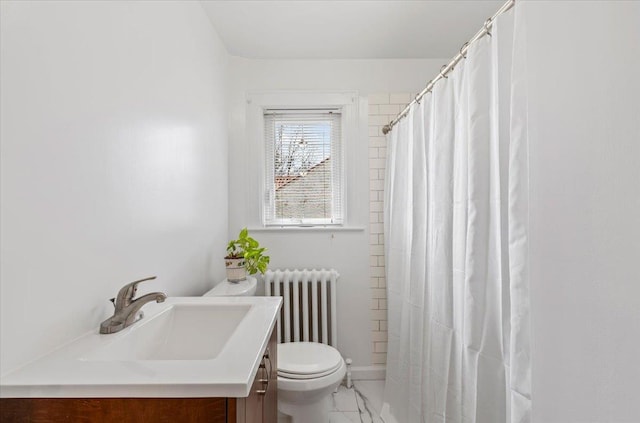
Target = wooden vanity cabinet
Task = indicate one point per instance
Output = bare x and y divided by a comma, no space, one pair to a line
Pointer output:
261,406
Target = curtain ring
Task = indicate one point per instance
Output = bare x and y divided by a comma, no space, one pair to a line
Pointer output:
429,86
462,53
487,26
443,74
417,98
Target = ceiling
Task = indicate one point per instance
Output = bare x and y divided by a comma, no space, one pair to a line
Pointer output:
347,29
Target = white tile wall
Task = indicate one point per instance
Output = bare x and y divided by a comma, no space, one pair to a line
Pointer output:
382,109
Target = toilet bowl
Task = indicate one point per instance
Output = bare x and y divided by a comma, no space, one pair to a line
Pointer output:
245,288
308,372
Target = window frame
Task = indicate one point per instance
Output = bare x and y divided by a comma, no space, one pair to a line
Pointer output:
337,180
260,102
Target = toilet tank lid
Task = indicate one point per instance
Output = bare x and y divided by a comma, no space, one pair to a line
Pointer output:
232,289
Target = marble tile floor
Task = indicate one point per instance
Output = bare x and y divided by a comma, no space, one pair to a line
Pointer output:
359,404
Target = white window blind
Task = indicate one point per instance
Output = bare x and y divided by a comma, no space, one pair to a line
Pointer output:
303,167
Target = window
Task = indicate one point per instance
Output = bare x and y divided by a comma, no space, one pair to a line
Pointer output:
303,167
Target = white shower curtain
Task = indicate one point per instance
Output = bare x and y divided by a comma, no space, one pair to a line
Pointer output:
456,245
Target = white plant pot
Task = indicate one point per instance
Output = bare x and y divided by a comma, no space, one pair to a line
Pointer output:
236,271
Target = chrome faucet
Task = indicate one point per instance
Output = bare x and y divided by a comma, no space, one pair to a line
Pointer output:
127,309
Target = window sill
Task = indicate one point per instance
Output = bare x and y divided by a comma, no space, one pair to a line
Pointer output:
318,228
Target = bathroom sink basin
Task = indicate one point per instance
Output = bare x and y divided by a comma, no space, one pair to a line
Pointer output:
184,347
181,332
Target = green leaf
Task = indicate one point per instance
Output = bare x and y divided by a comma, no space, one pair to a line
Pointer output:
249,248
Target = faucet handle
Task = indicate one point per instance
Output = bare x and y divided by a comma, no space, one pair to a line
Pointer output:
128,292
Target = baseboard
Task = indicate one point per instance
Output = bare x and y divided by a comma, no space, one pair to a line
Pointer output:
375,372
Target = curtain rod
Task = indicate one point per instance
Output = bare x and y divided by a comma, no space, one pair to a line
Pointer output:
449,67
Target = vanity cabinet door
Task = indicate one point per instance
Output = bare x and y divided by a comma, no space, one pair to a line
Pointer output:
254,403
261,406
270,405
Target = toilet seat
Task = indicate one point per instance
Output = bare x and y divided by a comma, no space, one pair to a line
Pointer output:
307,360
309,376
318,383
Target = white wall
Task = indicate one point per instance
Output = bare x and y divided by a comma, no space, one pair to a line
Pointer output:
114,161
348,252
583,62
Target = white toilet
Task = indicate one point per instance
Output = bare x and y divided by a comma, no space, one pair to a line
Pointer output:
308,372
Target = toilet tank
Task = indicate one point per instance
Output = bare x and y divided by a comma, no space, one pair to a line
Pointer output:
245,288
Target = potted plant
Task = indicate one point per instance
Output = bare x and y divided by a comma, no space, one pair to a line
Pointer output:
244,255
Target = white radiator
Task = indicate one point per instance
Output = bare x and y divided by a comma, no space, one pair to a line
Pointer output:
309,304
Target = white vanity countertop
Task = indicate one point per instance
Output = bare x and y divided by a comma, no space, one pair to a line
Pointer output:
67,373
